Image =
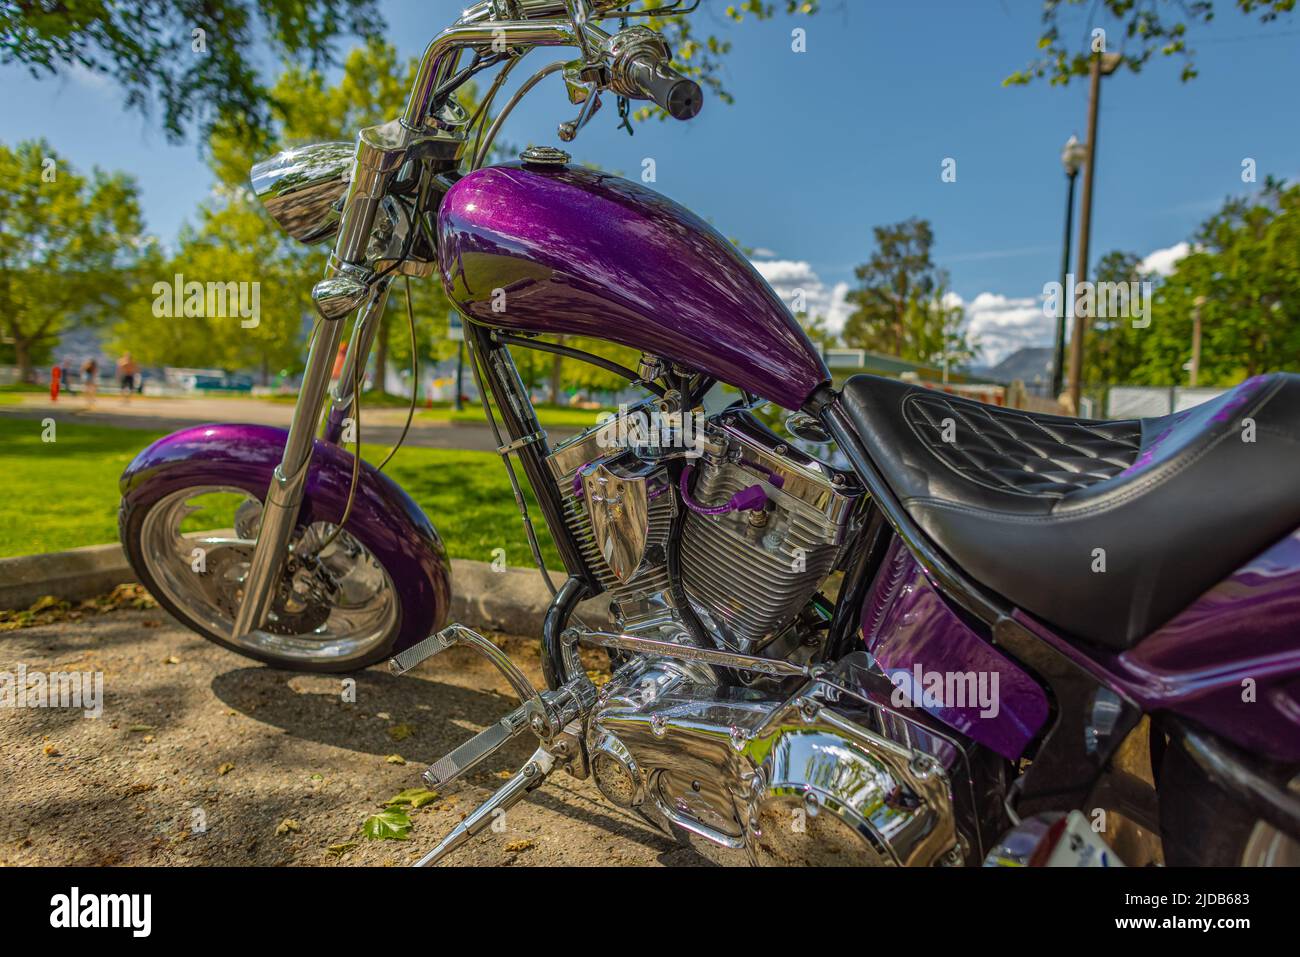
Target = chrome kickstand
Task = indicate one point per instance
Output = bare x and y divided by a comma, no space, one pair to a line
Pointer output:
530,776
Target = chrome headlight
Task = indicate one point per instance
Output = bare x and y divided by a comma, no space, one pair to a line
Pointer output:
303,188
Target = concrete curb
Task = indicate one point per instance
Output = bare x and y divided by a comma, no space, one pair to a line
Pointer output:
513,600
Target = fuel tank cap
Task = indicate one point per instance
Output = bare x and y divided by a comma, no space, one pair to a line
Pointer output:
544,156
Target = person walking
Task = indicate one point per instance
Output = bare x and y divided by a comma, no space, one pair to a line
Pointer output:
90,379
127,370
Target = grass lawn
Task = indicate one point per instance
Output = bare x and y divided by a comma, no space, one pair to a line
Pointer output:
63,494
12,393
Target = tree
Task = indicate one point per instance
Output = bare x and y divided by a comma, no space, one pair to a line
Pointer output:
1113,344
817,331
1146,28
1243,274
899,273
903,305
192,59
69,247
1245,267
236,241
239,261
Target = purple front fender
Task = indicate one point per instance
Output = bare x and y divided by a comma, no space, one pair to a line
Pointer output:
384,517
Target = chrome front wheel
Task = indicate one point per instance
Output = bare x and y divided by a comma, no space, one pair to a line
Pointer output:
335,607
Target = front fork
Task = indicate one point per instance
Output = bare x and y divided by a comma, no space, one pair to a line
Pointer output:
284,496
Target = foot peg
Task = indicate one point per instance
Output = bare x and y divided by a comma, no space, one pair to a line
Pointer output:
554,716
478,748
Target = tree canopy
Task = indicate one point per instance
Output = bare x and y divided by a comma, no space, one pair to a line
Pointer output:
902,305
192,60
1139,30
1244,268
70,247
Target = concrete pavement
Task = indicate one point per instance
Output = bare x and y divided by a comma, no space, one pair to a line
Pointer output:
381,426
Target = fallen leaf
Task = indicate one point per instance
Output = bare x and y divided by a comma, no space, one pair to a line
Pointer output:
225,768
288,826
520,845
395,759
390,824
415,797
147,739
52,750
400,732
171,660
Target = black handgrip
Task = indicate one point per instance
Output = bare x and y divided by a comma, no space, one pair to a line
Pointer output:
679,95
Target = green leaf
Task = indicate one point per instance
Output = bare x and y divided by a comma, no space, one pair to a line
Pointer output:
415,797
390,824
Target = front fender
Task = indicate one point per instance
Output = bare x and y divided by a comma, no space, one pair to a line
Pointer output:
383,516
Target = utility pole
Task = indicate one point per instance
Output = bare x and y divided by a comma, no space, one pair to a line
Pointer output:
1103,64
1195,366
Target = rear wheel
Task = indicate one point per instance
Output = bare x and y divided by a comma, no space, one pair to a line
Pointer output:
335,608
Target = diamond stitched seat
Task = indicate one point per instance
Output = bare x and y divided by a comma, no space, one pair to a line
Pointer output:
1104,530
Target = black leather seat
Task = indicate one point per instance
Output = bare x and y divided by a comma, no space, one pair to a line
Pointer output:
1032,505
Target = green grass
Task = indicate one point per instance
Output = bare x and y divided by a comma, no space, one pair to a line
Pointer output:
63,494
11,393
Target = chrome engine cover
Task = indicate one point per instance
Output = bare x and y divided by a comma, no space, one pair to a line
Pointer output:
745,777
747,574
750,573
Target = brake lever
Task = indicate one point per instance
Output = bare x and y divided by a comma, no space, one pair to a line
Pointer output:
583,91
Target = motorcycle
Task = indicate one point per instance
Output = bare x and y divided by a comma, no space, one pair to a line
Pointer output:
973,634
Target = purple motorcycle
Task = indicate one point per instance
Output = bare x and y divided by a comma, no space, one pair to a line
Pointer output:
911,630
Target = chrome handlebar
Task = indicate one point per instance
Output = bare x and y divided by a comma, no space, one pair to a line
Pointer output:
633,62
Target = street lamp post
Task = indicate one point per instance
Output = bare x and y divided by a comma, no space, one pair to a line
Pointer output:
1072,157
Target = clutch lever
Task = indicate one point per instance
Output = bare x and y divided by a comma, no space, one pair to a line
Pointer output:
583,91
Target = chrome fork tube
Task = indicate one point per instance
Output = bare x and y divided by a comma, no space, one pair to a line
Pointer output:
363,339
283,498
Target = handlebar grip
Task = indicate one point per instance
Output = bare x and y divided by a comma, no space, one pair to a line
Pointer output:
679,95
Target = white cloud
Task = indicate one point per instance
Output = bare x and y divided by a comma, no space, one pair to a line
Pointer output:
789,277
1002,324
1162,261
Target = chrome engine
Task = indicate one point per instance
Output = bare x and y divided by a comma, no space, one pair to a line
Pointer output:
747,574
822,777
817,771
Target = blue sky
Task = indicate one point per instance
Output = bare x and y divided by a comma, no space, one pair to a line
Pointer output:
822,145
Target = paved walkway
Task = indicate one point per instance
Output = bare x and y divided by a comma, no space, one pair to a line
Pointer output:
381,426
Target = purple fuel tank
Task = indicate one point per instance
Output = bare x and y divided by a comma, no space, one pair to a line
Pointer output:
577,252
